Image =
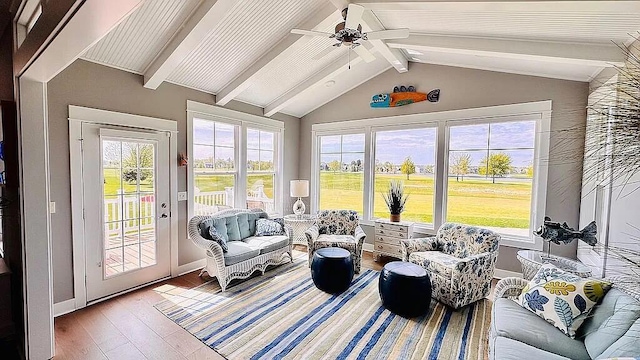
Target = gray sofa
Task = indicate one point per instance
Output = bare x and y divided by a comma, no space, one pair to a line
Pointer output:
245,256
612,329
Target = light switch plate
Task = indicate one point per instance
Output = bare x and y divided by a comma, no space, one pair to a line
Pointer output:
52,207
182,196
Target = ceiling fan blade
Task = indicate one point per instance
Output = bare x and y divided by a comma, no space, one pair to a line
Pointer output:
324,52
365,54
354,16
312,33
388,34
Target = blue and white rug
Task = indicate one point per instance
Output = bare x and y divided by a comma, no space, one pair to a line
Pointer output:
282,315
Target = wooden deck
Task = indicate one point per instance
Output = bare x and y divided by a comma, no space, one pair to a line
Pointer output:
119,259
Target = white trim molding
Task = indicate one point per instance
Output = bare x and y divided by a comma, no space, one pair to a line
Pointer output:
64,307
192,266
540,112
79,115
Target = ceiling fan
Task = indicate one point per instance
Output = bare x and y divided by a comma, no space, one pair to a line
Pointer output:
349,33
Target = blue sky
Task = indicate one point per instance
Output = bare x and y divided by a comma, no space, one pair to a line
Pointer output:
513,138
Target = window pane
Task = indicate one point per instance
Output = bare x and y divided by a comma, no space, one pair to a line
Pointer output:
492,188
253,160
511,135
341,190
210,190
266,160
260,192
469,137
266,140
203,156
253,139
224,135
393,148
203,131
330,144
224,158
353,143
341,176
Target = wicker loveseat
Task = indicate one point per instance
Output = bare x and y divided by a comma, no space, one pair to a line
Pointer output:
460,261
245,256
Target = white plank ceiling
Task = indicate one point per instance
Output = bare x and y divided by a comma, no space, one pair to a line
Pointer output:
571,40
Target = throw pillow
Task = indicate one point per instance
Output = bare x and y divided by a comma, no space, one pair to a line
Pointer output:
218,223
215,236
268,227
253,217
233,230
243,225
561,298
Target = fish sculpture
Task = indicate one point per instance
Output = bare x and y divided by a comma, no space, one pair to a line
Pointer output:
562,234
403,96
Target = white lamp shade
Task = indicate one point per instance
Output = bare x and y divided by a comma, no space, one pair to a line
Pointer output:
299,188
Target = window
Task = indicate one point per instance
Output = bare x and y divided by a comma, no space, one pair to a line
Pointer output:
409,156
261,171
490,180
220,140
476,166
341,172
213,165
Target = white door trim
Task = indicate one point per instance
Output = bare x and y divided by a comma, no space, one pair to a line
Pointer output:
79,115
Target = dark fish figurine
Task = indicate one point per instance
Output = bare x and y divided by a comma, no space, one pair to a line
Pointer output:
562,234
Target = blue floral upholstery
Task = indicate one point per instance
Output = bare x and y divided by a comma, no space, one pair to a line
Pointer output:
337,228
460,261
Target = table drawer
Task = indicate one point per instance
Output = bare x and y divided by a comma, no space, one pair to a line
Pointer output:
387,240
389,249
392,227
392,233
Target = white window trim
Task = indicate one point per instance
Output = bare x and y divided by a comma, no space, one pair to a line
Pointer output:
534,111
243,121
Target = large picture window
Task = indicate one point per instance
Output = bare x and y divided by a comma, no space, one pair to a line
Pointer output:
234,160
490,180
409,156
480,167
341,172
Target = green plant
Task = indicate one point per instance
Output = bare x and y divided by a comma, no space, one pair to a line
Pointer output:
395,198
496,165
408,167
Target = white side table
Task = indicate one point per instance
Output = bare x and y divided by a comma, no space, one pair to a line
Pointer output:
299,224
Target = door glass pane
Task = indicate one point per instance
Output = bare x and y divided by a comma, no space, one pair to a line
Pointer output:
128,205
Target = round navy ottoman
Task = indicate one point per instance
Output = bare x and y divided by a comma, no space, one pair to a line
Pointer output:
405,289
332,269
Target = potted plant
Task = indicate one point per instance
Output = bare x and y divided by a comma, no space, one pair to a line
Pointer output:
395,198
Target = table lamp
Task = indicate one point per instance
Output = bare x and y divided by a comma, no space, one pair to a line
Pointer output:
299,189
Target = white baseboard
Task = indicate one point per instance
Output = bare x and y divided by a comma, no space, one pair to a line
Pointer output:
367,247
192,266
501,274
64,307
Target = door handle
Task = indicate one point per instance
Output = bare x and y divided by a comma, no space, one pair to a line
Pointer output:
163,216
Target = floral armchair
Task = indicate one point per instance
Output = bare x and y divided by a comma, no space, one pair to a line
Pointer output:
337,228
460,261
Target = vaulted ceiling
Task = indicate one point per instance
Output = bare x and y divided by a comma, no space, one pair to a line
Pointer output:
243,49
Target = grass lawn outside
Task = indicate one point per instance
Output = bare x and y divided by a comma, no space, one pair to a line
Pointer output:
474,201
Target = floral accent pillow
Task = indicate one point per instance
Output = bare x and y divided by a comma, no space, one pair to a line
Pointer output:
561,298
268,227
215,236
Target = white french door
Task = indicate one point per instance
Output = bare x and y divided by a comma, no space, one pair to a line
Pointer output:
126,208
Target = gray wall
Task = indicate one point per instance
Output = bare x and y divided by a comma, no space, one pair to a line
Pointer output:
467,88
91,85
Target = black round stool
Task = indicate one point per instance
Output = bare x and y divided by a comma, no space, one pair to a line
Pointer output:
405,289
332,269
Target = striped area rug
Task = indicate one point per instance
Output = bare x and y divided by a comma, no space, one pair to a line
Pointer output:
282,315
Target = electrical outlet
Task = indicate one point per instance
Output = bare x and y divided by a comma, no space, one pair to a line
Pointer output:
52,207
182,196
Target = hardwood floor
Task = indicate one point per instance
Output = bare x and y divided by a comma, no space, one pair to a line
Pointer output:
129,327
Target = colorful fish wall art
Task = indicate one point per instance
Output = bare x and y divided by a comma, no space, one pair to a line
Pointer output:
401,96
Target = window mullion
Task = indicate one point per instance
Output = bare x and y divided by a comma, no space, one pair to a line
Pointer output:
240,142
368,169
442,154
